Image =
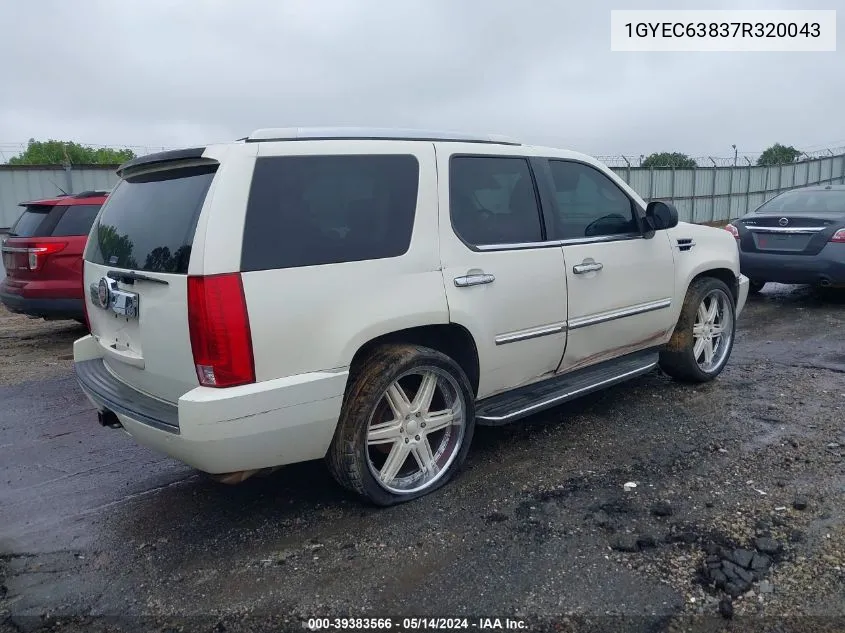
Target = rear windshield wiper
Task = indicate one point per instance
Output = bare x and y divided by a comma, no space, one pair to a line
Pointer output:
130,277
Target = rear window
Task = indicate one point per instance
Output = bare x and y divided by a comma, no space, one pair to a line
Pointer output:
311,210
76,220
807,201
149,220
30,222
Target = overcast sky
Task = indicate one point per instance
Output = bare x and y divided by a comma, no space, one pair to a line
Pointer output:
159,73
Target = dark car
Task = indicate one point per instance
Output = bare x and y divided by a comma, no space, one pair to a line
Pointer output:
43,256
797,237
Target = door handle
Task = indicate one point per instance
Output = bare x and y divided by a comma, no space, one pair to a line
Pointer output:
587,267
474,280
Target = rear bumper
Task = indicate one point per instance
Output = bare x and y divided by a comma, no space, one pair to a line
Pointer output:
826,267
262,425
41,307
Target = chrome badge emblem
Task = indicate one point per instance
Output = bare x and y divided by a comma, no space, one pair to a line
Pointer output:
103,293
783,221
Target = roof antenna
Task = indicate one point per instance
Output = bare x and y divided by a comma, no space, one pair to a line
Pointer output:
64,193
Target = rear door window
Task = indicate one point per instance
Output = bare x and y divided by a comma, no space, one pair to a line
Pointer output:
149,220
492,200
312,210
76,220
32,222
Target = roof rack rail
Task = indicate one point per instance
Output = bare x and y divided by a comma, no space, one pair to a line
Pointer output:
365,133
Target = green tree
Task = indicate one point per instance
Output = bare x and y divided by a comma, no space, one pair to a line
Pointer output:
63,152
778,154
669,160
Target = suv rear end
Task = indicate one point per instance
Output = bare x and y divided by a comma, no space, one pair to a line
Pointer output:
211,307
42,256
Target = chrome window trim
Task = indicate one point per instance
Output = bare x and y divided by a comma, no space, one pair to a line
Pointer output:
621,237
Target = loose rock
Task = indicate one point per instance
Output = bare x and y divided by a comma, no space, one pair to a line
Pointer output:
768,546
662,509
760,562
646,541
742,557
797,536
766,587
718,577
726,608
801,502
625,543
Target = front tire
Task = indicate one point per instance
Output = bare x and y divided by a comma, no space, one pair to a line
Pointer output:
405,427
704,335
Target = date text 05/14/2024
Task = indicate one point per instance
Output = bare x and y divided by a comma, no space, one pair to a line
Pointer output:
415,624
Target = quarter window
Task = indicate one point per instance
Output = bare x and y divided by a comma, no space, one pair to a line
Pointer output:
312,210
589,203
492,200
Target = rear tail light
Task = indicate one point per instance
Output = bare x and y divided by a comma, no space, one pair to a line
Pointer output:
220,336
839,236
730,228
39,253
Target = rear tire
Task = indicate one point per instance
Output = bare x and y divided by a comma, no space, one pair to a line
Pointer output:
754,286
704,335
405,427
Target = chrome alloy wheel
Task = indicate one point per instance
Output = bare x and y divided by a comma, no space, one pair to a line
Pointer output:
713,331
416,430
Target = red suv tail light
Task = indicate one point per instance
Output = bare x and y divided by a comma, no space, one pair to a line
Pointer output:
38,253
220,337
839,236
730,228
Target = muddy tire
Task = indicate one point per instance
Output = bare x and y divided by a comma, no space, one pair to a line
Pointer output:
754,286
405,427
704,335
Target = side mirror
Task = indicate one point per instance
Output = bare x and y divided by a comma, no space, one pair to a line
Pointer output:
661,215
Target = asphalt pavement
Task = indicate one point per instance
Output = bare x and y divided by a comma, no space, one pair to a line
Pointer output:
96,531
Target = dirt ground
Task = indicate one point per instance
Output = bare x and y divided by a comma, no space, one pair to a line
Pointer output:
34,349
737,520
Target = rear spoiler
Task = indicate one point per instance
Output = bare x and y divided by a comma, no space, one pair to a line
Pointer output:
161,157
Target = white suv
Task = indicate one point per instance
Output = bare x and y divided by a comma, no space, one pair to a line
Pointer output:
369,296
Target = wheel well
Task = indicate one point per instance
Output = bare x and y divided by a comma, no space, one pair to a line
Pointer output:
450,339
723,274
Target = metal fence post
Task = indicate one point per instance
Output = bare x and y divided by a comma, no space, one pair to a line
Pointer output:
842,177
69,177
672,190
780,177
651,183
731,193
694,183
748,186
628,172
713,193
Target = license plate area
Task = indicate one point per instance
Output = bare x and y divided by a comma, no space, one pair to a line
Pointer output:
781,241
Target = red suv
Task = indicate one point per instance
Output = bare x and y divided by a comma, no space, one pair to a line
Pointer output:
43,256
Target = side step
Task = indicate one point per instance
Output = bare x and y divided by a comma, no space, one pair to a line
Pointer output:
512,405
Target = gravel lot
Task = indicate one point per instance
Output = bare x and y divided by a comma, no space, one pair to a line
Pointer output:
736,521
